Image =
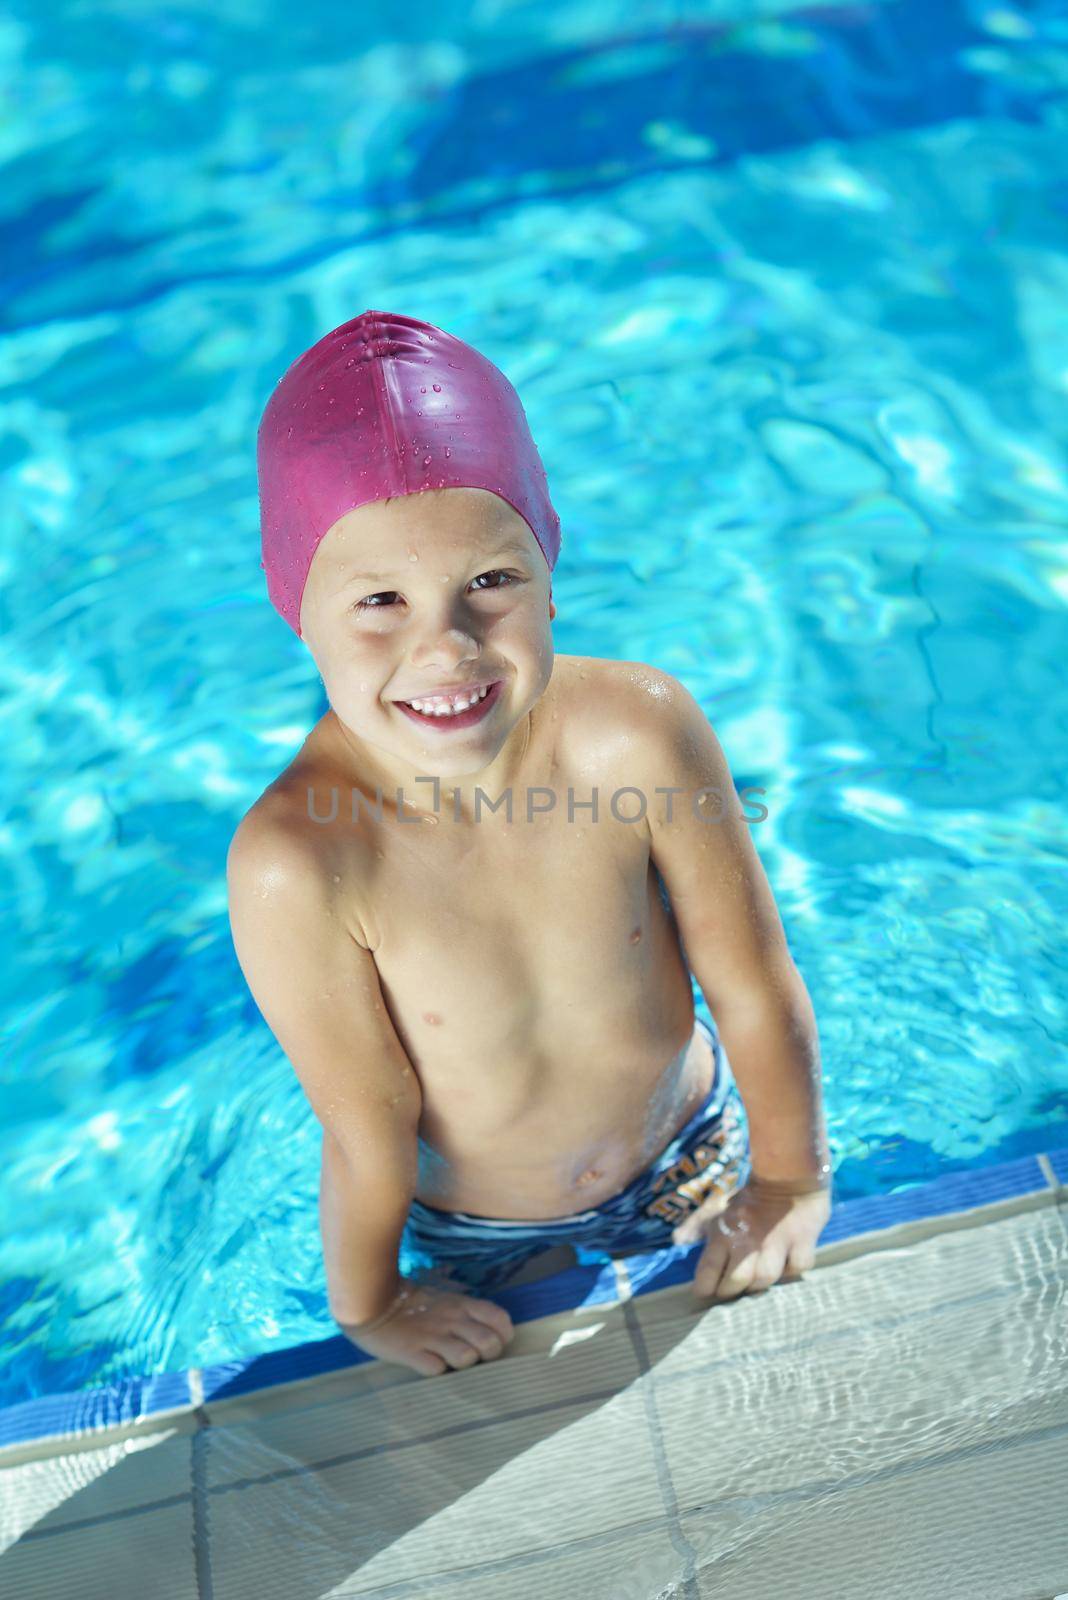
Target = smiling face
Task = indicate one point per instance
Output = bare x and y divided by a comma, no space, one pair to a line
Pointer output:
416,596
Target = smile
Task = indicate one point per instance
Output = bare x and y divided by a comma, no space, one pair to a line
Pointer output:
455,711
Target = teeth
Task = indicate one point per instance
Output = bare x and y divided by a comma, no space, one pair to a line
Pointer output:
440,706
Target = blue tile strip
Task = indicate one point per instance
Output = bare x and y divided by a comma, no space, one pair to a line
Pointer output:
93,1410
89,1410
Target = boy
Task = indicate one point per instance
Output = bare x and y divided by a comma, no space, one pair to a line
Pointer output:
448,907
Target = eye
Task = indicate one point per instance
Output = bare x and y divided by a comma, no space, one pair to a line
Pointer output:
367,604
496,573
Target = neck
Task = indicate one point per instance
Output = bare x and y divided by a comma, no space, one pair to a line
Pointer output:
451,799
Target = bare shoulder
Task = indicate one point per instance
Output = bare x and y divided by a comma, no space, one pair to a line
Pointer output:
276,827
627,709
315,981
275,862
625,687
286,812
269,837
281,849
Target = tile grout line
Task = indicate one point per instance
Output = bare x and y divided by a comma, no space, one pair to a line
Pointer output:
198,1470
669,1499
624,1291
1051,1178
198,1449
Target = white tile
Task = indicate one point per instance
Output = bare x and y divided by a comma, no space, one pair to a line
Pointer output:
144,1555
985,1526
93,1482
384,1407
484,1491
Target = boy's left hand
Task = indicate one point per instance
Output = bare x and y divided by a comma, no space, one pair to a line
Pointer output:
764,1232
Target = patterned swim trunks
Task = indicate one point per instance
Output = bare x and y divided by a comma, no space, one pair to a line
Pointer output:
710,1154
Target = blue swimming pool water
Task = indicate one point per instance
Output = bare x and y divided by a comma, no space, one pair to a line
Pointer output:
783,292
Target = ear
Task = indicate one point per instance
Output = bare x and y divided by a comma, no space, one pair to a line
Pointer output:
552,609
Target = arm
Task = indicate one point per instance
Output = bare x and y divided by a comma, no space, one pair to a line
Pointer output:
319,994
733,935
360,1241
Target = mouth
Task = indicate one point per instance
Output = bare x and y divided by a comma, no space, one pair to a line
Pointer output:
454,719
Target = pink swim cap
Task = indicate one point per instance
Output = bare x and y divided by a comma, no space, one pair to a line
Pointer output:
384,406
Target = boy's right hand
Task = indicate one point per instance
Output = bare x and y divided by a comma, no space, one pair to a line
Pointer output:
433,1330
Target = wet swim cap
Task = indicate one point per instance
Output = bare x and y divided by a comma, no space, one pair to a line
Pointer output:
386,406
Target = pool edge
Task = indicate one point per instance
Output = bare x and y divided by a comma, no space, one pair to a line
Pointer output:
187,1401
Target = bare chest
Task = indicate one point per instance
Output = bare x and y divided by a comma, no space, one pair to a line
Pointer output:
538,987
494,946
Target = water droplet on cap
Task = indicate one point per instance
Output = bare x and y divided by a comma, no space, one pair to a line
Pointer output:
437,388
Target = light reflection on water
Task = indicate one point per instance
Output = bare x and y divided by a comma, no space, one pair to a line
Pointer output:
796,367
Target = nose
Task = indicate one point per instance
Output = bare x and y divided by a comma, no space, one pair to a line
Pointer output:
446,648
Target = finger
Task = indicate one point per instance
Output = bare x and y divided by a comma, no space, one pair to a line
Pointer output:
737,1278
802,1261
455,1349
768,1269
486,1340
493,1315
711,1266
